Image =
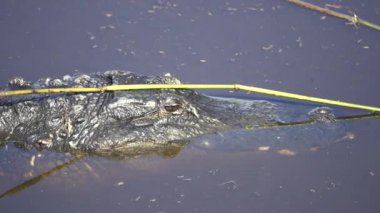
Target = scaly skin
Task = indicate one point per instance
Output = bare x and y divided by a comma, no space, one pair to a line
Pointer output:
111,122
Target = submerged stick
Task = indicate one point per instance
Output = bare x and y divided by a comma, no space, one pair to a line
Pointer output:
28,183
113,88
354,20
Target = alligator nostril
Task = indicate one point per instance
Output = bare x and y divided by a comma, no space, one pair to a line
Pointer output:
80,120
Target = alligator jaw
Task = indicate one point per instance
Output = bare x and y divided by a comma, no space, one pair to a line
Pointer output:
239,113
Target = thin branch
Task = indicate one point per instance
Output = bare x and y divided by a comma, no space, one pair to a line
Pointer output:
113,88
354,20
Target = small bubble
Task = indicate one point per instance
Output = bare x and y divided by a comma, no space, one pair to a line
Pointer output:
108,15
264,148
120,183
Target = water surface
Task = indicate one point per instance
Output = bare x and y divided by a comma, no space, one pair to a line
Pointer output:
271,44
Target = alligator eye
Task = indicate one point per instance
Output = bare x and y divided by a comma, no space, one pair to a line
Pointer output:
171,108
172,105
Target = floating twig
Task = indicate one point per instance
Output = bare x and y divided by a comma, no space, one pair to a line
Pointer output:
113,88
354,20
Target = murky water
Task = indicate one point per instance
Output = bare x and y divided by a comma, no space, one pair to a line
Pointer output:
272,44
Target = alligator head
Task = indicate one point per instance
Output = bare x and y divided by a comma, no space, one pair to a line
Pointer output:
113,121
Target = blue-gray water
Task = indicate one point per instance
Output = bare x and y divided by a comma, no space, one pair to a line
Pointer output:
271,44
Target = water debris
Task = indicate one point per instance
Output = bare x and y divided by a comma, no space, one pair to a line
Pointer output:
182,177
269,47
181,65
230,185
108,15
312,190
331,186
121,183
29,174
299,41
32,160
232,9
137,198
257,194
92,37
286,152
263,148
347,136
372,174
314,149
213,171
203,60
111,27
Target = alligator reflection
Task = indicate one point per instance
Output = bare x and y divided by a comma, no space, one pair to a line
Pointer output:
164,151
169,150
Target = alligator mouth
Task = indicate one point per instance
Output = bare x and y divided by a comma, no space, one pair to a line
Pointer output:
146,119
239,113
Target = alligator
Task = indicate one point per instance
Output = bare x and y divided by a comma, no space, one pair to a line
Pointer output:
110,122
